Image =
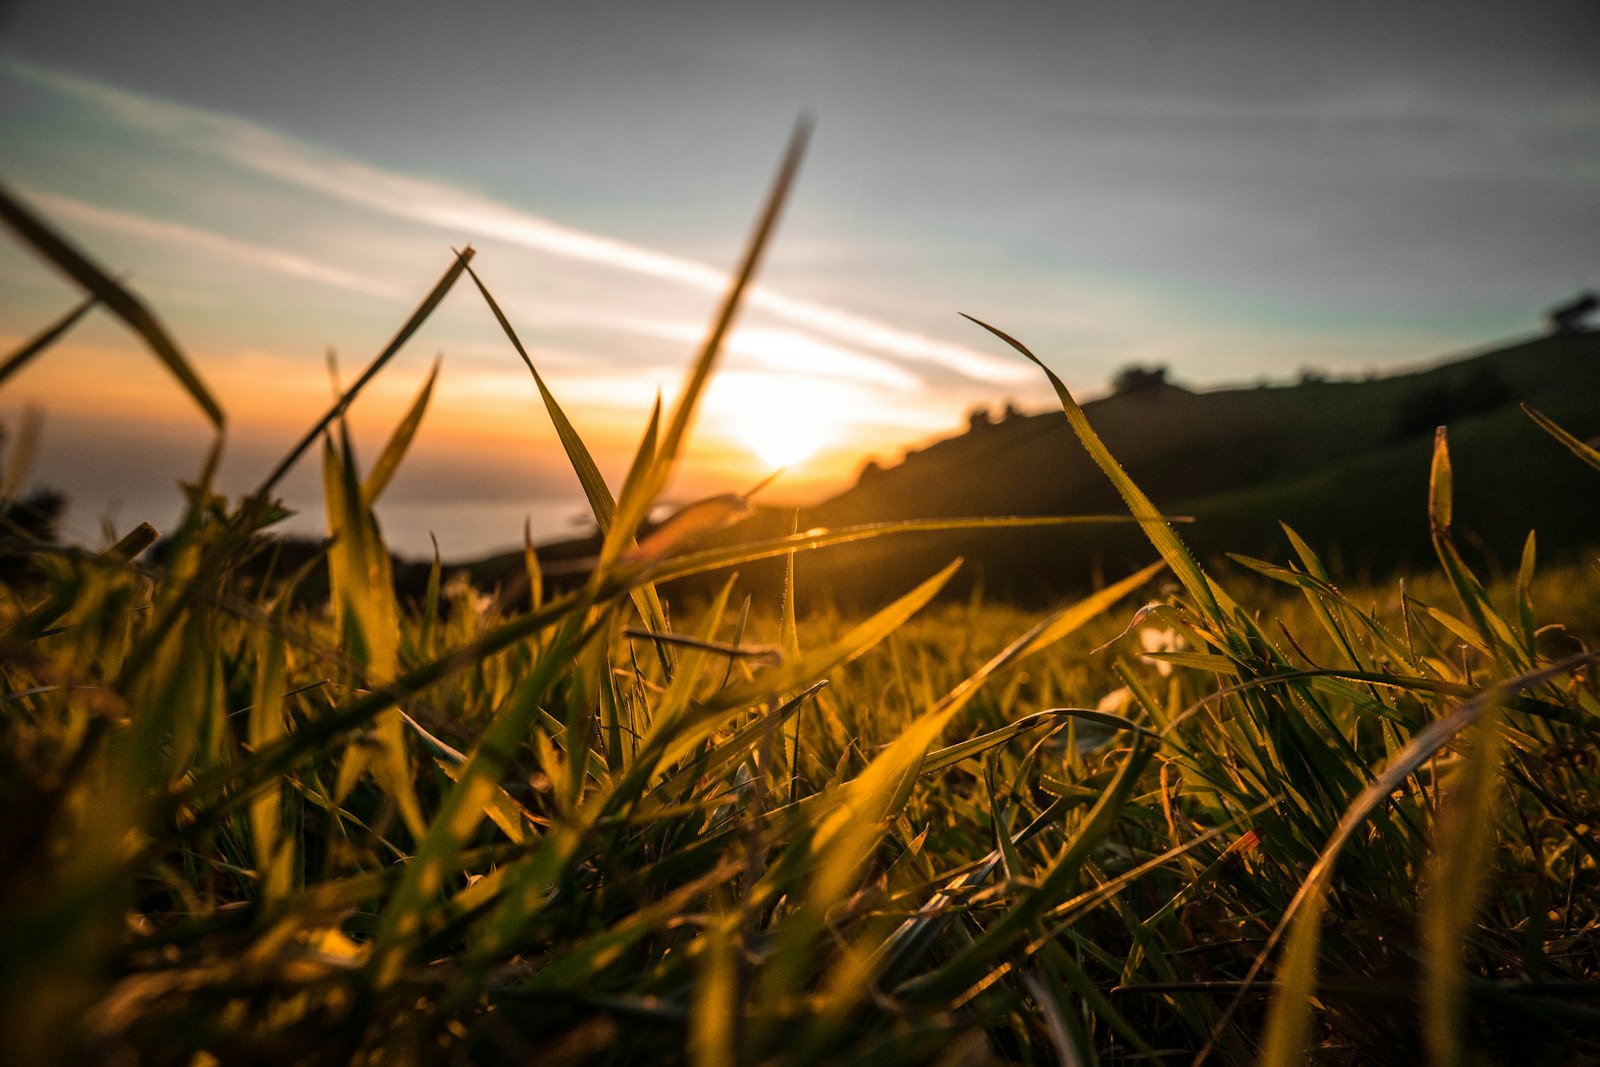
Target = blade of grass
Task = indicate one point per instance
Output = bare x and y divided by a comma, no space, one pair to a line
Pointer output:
394,451
1464,837
632,510
1166,542
45,338
117,299
1583,451
411,325
1289,1014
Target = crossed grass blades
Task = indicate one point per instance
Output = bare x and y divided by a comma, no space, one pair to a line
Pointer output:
242,831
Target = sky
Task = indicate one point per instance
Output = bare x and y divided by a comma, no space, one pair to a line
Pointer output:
1238,191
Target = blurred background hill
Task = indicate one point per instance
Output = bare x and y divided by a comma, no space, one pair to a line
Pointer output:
1343,462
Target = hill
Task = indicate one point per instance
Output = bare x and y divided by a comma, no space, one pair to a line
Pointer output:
1343,462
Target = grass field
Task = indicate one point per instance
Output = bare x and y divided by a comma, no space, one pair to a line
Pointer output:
1237,818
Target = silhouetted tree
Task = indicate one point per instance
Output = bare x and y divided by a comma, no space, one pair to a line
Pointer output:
1572,315
1130,380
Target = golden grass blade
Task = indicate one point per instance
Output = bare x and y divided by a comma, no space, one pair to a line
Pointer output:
411,325
1458,863
367,617
1166,542
1585,452
595,490
670,738
273,849
463,808
632,510
711,559
117,299
594,485
1441,496
717,1008
394,451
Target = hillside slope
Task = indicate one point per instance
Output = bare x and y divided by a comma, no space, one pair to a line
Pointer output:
1343,462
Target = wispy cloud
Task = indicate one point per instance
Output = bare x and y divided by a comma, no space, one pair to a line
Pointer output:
463,213
793,352
246,252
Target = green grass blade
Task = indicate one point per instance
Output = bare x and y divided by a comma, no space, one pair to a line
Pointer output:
1305,909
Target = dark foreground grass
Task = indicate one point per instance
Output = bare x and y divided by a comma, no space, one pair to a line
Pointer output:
1225,826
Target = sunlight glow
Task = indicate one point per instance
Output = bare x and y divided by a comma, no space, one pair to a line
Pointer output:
781,420
781,437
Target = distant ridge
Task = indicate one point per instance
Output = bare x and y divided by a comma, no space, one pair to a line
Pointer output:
1343,462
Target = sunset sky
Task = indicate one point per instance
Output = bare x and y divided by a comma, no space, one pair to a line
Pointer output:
1236,190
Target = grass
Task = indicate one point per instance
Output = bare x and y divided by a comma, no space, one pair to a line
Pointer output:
1270,821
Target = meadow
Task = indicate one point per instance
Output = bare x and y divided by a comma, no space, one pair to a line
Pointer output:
1229,813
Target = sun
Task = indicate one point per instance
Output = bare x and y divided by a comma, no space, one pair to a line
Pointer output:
780,435
779,420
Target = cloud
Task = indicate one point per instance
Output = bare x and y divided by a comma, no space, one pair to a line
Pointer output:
793,352
256,255
463,213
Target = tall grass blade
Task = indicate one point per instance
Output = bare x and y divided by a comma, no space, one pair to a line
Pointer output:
399,442
342,404
1161,535
1463,843
633,509
117,299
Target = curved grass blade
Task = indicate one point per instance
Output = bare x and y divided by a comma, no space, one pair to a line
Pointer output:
822,537
1289,1016
594,485
45,338
601,502
950,755
1166,542
670,739
117,299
